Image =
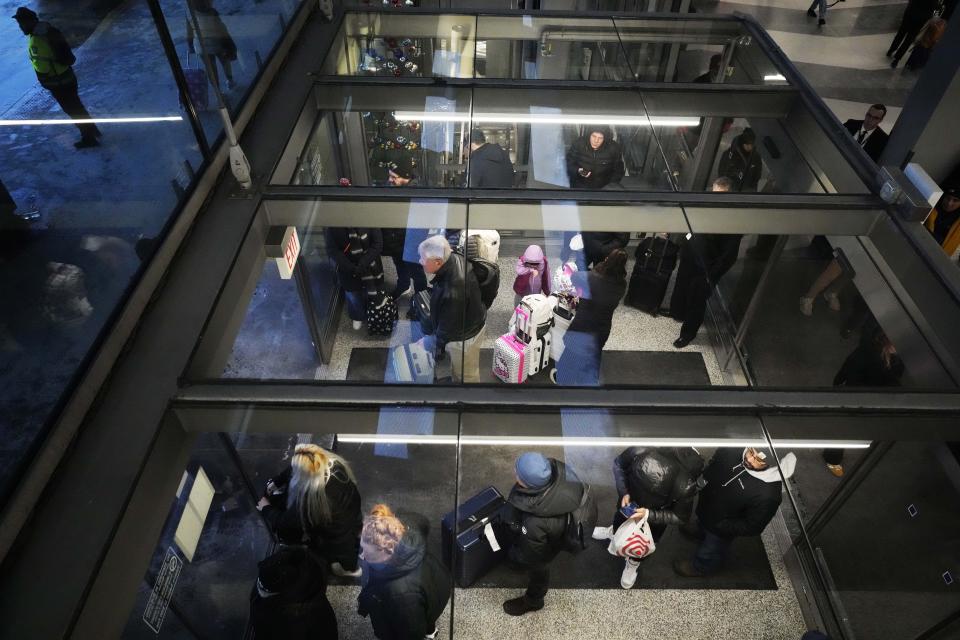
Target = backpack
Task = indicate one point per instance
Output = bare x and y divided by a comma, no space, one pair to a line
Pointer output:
488,277
580,522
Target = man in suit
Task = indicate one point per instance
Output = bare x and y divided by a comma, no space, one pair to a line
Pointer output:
867,132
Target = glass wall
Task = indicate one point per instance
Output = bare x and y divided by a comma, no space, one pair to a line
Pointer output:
83,206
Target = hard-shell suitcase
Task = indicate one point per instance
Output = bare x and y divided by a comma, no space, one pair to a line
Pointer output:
411,363
538,357
476,536
511,358
562,317
533,317
655,261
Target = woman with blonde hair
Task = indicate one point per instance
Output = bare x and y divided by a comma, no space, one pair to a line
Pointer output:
315,501
404,588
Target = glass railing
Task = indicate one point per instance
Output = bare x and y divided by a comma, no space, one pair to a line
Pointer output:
691,516
98,156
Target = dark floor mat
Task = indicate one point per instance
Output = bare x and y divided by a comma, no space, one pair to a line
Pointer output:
747,568
662,368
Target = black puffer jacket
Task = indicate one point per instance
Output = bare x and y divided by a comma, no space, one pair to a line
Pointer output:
405,596
301,612
490,166
542,521
337,540
599,301
735,502
356,252
597,245
456,308
604,164
741,167
662,479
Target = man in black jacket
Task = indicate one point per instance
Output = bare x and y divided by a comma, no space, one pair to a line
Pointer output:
915,16
867,132
741,495
545,492
457,314
597,245
490,164
704,259
662,482
289,601
595,160
53,61
742,163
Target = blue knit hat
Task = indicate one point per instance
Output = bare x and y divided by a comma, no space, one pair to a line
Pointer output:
533,470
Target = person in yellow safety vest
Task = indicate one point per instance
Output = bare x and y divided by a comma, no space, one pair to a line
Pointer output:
944,221
52,61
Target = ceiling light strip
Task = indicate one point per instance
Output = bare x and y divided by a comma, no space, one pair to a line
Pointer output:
560,441
33,122
547,118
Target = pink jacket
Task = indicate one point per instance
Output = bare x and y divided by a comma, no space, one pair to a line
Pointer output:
526,282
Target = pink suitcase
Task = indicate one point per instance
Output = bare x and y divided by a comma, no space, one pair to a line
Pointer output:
510,359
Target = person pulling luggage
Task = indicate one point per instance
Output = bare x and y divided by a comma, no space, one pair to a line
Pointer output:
546,491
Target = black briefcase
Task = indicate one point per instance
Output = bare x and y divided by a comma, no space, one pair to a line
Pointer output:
467,549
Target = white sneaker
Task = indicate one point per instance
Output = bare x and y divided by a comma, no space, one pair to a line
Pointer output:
337,569
433,636
629,576
357,325
806,306
833,300
602,533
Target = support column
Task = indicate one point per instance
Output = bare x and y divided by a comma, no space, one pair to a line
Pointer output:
931,111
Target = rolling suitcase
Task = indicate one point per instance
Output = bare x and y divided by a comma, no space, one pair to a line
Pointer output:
655,262
476,536
411,363
534,310
510,358
562,317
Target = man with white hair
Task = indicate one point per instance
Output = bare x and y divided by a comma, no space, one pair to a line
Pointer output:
457,312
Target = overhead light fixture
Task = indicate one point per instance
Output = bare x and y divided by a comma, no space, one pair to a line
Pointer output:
561,441
548,118
34,123
774,77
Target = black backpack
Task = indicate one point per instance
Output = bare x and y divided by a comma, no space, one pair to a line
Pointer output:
580,522
488,277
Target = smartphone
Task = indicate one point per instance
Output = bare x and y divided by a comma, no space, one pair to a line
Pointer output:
629,509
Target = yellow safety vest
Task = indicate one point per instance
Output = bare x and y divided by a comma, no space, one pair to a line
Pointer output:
42,57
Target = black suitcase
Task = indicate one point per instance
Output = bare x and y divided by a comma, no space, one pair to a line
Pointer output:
655,262
468,548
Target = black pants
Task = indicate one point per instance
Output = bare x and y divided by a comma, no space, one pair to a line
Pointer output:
905,36
407,271
690,293
68,98
538,584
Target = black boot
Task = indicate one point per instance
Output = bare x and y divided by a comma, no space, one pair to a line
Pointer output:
519,606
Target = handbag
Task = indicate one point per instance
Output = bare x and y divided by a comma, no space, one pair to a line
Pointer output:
633,539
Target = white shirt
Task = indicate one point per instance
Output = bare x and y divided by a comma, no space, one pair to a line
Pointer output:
866,135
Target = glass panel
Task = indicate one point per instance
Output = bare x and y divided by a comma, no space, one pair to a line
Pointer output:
864,505
416,139
573,138
654,459
535,48
388,44
223,47
206,557
71,242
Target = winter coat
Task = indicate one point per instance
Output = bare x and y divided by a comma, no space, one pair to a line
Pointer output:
543,513
405,596
456,308
599,299
743,169
945,228
662,479
301,612
712,253
605,163
597,245
919,11
526,284
865,368
393,242
356,252
490,166
737,501
337,540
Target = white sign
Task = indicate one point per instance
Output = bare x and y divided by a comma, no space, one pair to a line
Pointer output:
159,601
291,251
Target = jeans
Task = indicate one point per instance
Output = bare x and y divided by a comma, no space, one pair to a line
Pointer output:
356,305
407,271
823,7
465,358
711,553
580,363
